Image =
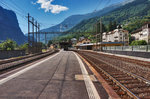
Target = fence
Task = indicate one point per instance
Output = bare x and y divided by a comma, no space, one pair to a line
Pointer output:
143,48
10,54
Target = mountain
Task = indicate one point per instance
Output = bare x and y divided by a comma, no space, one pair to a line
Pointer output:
73,20
131,15
9,27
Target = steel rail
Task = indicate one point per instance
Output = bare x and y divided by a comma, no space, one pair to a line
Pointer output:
17,63
127,72
114,80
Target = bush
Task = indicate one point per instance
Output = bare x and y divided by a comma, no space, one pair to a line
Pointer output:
139,42
8,45
24,46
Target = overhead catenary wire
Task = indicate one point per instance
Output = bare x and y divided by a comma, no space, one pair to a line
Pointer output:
21,15
15,7
99,3
107,3
18,6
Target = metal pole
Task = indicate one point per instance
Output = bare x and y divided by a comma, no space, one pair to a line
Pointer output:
96,36
33,34
101,32
45,38
28,33
39,32
36,30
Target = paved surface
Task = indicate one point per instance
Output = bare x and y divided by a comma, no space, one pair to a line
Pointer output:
54,78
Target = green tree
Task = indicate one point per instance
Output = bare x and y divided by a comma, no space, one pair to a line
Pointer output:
104,28
110,26
139,42
24,46
49,43
8,45
114,25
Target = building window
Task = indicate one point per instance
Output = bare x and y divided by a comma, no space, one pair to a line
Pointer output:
126,37
148,25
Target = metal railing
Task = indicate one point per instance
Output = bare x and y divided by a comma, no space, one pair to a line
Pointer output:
141,48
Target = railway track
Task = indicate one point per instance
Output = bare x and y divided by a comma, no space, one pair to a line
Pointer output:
128,66
10,64
126,84
138,62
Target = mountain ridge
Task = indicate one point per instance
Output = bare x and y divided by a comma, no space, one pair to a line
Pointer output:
10,27
73,20
126,14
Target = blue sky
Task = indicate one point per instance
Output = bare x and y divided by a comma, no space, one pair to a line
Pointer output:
52,12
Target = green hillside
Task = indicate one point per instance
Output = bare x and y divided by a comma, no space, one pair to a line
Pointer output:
131,16
128,15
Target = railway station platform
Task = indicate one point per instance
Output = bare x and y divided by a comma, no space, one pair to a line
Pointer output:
60,76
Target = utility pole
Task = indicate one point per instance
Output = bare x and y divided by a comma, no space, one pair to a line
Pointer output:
38,32
28,33
96,35
101,30
101,33
33,44
35,29
45,38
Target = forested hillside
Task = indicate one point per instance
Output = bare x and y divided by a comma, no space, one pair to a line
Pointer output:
131,16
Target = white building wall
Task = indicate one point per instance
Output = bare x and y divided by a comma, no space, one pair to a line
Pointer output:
118,35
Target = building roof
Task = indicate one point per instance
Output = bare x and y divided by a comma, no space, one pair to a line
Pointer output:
136,31
140,29
101,43
146,23
86,44
73,39
84,39
110,43
116,30
81,38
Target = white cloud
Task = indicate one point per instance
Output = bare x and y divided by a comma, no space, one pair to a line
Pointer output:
48,6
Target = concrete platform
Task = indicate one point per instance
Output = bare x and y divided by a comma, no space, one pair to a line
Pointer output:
61,76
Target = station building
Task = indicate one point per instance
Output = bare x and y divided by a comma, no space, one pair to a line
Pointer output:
118,37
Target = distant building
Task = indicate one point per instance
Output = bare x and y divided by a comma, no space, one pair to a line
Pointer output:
81,38
118,35
74,40
84,41
142,33
84,44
